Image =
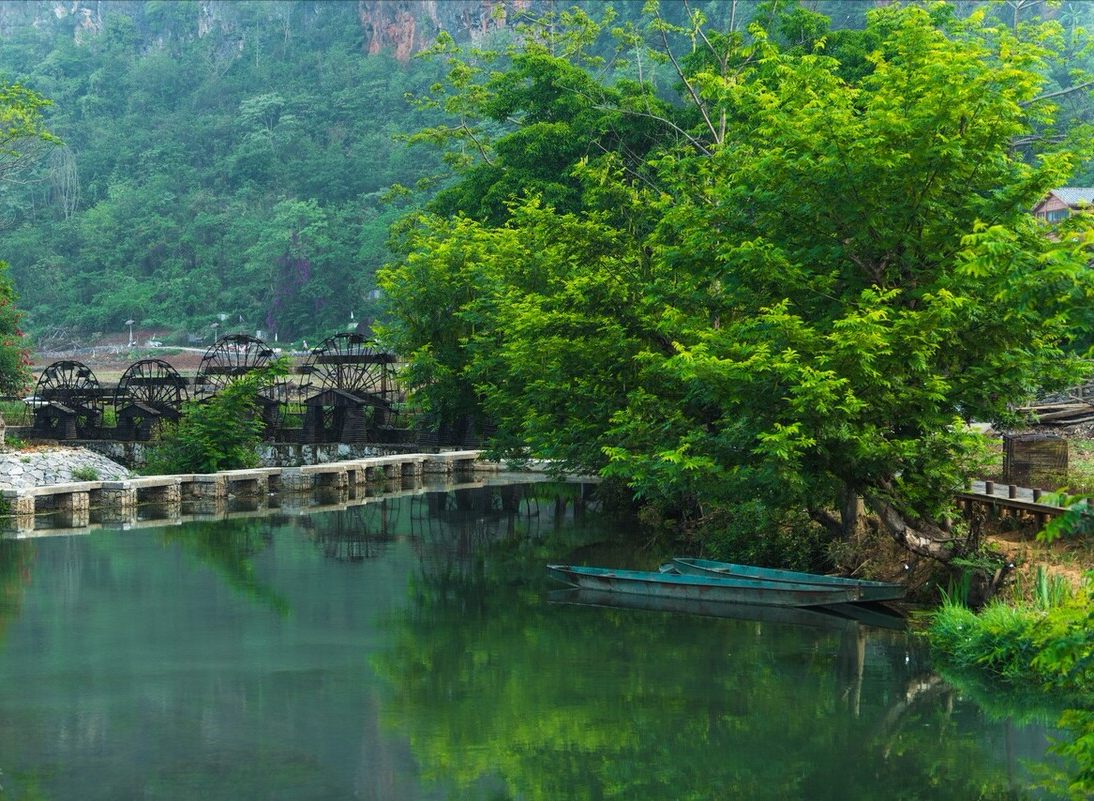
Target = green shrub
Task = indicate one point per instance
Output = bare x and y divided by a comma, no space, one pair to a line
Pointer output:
1046,648
754,533
85,474
221,433
998,642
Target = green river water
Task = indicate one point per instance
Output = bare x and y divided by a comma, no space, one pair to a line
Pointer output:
415,648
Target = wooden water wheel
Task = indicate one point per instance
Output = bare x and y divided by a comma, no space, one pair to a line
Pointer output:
353,382
353,364
230,358
149,392
153,382
68,402
227,359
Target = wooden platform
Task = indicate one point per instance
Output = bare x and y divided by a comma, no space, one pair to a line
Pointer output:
1010,498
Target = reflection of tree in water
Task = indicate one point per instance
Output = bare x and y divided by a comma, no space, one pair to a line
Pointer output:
16,558
601,703
228,548
1071,713
492,684
463,521
360,532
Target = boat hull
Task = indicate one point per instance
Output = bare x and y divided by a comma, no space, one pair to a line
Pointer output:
868,590
813,616
700,588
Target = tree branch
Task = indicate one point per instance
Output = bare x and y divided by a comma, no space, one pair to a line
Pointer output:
691,89
1057,93
923,538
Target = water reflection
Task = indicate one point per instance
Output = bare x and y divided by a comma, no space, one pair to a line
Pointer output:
1012,707
362,532
16,560
229,548
408,648
495,687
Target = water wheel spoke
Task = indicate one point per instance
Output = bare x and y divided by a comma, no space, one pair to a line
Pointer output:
153,383
229,358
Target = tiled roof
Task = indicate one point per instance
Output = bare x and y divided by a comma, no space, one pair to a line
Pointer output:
1074,195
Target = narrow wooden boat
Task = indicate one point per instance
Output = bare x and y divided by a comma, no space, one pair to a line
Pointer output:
868,590
702,588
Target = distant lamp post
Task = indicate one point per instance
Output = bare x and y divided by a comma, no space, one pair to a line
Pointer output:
130,324
215,326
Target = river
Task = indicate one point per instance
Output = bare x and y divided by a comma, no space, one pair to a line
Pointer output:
415,648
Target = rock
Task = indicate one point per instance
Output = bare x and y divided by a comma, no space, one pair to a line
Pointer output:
43,466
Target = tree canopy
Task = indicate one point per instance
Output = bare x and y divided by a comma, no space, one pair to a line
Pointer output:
194,136
789,287
23,136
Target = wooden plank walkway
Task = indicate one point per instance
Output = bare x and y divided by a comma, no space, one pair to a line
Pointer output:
1012,498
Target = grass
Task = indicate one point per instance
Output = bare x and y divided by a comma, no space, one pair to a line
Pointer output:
15,412
997,642
1040,588
1080,462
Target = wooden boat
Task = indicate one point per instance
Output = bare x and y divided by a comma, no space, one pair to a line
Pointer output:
702,588
868,590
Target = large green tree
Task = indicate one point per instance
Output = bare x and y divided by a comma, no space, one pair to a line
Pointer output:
796,299
23,138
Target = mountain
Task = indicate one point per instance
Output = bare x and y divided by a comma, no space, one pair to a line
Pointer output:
403,27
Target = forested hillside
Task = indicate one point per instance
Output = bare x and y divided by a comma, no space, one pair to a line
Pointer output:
233,161
219,158
222,161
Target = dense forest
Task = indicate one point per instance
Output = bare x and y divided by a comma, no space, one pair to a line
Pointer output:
236,161
221,161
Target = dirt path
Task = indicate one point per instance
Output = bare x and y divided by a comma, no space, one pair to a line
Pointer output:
1070,560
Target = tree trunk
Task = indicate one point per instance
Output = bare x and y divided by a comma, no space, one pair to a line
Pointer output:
851,513
918,536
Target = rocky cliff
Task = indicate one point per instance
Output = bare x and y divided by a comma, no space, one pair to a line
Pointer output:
409,26
403,27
